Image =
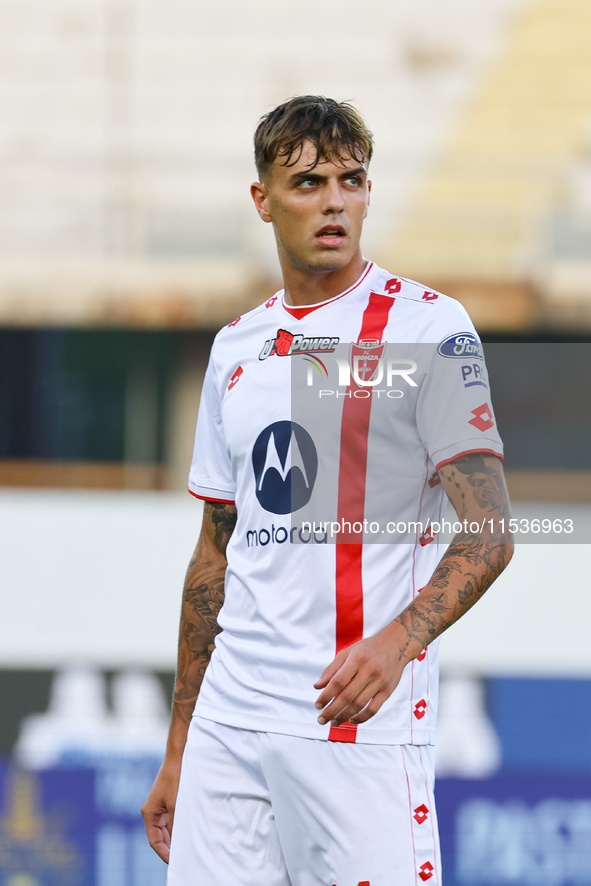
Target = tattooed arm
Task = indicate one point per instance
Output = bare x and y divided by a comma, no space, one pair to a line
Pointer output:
203,596
362,677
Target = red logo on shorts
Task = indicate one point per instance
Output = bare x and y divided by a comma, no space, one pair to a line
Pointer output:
426,871
420,709
483,419
421,814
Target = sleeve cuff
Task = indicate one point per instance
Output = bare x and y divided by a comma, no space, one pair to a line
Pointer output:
449,458
207,493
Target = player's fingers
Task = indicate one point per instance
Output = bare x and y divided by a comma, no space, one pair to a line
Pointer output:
329,672
337,684
159,839
344,699
162,849
354,707
371,708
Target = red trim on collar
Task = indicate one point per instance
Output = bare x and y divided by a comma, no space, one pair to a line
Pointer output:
301,311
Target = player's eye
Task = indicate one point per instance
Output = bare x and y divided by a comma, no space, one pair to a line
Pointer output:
307,183
353,180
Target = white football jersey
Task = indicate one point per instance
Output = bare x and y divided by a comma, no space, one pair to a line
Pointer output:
326,425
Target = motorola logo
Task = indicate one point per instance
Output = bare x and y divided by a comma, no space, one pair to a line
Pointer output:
285,465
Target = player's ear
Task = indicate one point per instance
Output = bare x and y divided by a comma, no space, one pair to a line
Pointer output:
260,193
368,198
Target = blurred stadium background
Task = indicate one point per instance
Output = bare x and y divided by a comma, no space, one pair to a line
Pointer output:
127,238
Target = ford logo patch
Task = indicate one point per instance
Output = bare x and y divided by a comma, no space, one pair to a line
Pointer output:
461,345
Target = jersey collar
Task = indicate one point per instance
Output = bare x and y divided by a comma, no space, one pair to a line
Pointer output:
302,311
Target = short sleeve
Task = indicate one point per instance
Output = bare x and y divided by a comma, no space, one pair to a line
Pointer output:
210,476
454,410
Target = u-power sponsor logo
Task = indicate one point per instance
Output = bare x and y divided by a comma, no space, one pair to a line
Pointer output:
461,345
286,344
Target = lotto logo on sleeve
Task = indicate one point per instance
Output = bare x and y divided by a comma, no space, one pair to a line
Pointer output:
483,419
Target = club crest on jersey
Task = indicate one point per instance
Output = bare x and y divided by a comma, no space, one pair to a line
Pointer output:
461,345
286,344
366,362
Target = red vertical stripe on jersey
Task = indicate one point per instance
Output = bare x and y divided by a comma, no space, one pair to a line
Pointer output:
351,500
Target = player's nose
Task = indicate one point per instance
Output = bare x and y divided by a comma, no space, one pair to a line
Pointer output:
333,197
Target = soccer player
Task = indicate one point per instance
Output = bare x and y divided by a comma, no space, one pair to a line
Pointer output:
306,693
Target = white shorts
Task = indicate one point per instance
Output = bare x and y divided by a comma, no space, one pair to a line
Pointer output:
265,809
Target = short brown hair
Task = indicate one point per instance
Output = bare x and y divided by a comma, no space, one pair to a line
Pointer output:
336,130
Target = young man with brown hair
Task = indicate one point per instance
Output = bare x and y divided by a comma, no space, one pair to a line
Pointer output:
308,755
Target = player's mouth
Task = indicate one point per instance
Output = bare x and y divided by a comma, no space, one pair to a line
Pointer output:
331,236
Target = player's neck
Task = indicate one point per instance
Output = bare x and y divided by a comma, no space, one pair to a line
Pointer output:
304,287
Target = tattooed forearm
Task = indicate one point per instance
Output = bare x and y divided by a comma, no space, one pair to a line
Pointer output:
202,600
478,481
223,517
476,487
459,586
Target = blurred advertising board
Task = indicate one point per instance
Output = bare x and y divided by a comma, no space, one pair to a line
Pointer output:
77,827
81,827
515,830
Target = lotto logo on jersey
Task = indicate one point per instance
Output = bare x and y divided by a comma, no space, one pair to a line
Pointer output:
286,344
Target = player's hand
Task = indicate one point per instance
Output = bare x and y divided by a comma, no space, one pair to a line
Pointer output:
359,680
158,810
